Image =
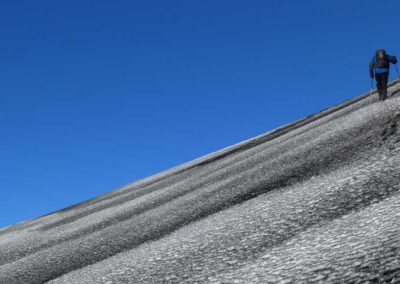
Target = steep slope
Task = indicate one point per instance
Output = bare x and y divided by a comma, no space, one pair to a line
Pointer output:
316,200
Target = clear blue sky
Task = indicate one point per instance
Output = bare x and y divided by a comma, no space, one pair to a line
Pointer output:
98,94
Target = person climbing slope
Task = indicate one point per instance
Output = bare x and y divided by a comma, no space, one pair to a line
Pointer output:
379,67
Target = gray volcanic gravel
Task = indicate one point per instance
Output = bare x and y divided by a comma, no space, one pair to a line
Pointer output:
315,201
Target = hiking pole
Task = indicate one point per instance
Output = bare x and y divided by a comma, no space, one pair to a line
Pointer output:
370,91
398,75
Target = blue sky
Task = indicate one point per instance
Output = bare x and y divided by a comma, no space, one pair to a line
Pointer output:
98,94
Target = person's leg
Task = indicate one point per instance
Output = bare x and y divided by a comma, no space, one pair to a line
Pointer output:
384,82
379,85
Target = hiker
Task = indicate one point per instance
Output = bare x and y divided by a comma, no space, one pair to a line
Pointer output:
379,67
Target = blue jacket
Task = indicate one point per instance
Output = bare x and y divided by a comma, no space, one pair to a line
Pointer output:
372,63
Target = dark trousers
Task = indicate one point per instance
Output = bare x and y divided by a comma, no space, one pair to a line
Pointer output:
381,85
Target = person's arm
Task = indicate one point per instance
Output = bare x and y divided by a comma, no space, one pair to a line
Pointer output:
371,67
392,59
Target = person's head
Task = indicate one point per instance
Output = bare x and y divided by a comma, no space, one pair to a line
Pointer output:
381,51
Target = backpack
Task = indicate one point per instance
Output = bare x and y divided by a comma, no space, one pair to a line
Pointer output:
381,59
